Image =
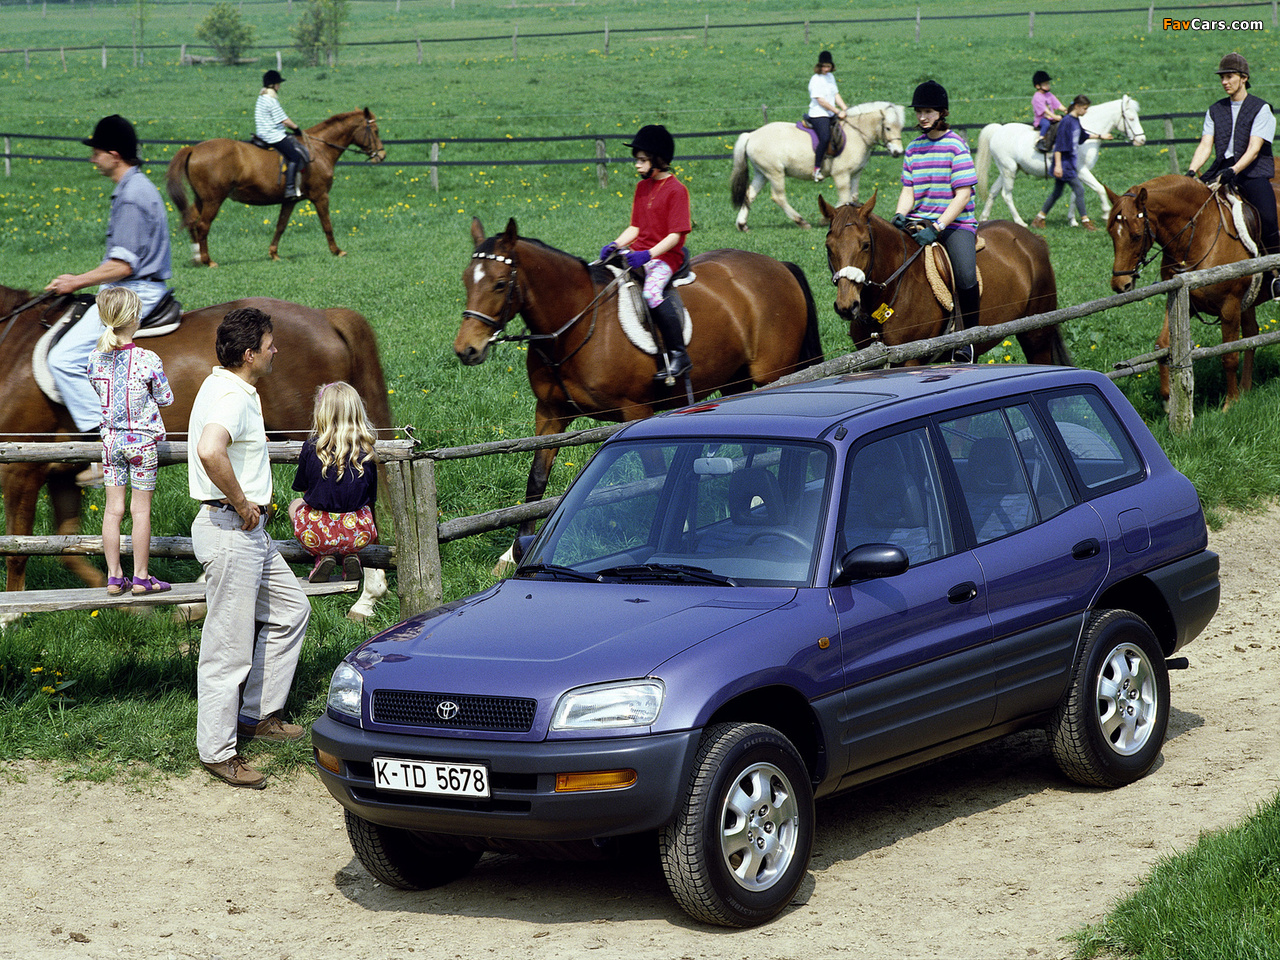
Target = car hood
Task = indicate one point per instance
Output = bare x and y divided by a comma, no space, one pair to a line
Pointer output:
537,639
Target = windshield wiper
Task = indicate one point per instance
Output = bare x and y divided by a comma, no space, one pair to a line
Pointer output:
677,572
558,571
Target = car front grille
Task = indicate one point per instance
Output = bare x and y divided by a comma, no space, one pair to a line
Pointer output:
453,711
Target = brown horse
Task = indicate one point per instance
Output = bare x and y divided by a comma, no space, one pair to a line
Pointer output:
1195,230
866,254
218,169
754,321
316,346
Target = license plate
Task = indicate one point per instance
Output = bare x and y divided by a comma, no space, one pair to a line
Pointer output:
441,779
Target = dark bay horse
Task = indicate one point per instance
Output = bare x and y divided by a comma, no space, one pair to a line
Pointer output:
220,169
316,346
754,321
1195,231
865,253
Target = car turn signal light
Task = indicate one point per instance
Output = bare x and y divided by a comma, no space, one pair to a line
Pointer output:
595,780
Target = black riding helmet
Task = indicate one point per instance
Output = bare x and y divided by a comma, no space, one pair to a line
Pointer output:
654,140
930,95
1040,77
272,77
115,133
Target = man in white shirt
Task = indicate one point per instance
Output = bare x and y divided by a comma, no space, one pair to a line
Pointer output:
258,613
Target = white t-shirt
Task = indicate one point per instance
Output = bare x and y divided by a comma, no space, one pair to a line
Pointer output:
1264,125
822,85
230,402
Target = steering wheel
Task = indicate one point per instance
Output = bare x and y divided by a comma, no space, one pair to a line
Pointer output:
783,533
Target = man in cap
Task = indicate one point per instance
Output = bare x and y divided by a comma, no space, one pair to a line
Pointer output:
137,257
273,125
1239,129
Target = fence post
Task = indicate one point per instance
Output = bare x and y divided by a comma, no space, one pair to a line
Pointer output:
706,24
1031,25
104,56
7,169
182,55
435,170
806,33
602,165
62,53
1173,147
606,36
515,50
764,111
1151,15
1181,374
917,23
279,61
412,489
419,51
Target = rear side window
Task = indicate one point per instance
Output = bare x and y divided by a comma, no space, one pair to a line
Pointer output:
992,476
1099,450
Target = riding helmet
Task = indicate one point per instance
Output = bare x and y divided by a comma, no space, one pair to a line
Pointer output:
654,140
1234,63
115,133
271,77
1040,77
930,95
825,57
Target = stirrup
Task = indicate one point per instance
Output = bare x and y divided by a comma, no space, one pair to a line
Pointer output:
676,366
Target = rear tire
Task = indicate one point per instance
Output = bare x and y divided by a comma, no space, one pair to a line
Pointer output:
1110,726
404,859
739,849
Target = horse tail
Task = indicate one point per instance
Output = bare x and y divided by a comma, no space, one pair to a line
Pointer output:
811,345
984,156
365,368
175,184
741,173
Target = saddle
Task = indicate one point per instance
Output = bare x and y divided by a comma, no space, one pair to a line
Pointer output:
1045,143
941,277
65,312
835,146
1248,230
633,312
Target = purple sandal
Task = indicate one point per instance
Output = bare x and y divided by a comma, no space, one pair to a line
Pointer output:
144,585
115,585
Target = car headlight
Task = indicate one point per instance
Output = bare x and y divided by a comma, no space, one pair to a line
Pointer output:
608,706
345,690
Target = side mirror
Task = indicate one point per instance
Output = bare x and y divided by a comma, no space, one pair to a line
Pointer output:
522,545
870,561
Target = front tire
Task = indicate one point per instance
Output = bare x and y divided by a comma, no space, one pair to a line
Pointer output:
404,859
739,848
1110,726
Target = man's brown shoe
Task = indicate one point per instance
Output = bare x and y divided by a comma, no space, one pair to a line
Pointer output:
271,728
237,772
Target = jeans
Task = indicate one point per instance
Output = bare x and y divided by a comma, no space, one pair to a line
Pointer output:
1077,188
253,632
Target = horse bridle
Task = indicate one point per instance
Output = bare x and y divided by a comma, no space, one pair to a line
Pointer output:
1149,240
368,151
855,275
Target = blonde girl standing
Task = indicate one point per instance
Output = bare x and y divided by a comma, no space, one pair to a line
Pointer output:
132,387
338,479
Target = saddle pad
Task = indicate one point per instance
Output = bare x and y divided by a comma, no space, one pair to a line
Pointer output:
631,312
938,269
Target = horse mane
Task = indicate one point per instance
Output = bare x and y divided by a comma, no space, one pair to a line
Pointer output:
487,245
11,297
338,118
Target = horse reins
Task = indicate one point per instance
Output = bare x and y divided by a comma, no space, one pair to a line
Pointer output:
342,148
846,272
1149,240
33,302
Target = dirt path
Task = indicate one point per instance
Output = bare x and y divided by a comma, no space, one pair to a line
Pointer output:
992,854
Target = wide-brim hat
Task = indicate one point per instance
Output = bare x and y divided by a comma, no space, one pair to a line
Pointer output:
930,95
1040,77
272,77
115,134
654,140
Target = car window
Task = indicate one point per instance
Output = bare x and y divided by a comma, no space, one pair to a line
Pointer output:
1099,449
1044,472
991,474
892,494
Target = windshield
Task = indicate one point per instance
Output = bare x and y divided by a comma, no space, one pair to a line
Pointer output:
694,511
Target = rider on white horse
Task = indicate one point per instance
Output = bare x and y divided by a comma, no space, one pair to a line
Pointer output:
825,107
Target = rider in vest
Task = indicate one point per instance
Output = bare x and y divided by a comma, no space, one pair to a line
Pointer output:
660,220
938,178
272,127
1239,130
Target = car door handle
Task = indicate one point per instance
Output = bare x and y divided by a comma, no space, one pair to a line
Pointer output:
963,592
1086,549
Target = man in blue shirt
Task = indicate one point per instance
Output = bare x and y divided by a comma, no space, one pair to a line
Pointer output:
137,257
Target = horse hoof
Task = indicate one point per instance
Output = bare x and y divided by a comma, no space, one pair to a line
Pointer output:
804,225
743,227
341,253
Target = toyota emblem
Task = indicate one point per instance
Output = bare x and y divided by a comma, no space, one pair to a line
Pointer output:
446,709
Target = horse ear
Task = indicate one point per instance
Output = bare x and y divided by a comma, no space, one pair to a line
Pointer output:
1112,196
477,231
828,211
1141,199
865,210
511,234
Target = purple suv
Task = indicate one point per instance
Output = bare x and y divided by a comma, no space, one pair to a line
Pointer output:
754,602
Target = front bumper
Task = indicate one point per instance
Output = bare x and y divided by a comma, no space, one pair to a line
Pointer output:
524,804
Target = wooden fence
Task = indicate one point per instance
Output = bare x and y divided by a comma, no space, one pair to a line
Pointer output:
411,481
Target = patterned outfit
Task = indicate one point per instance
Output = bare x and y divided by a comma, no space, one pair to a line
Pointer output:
336,518
132,388
660,207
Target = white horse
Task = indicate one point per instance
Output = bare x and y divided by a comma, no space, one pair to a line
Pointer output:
778,150
1013,147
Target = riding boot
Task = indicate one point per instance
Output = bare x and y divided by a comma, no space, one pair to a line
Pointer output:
967,300
291,191
667,318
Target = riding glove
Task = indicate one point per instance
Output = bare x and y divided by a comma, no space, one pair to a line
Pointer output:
608,250
1227,177
926,235
899,220
637,258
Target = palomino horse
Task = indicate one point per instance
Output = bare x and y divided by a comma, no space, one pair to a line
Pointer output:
316,346
754,321
779,150
1195,231
1013,147
218,169
866,254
